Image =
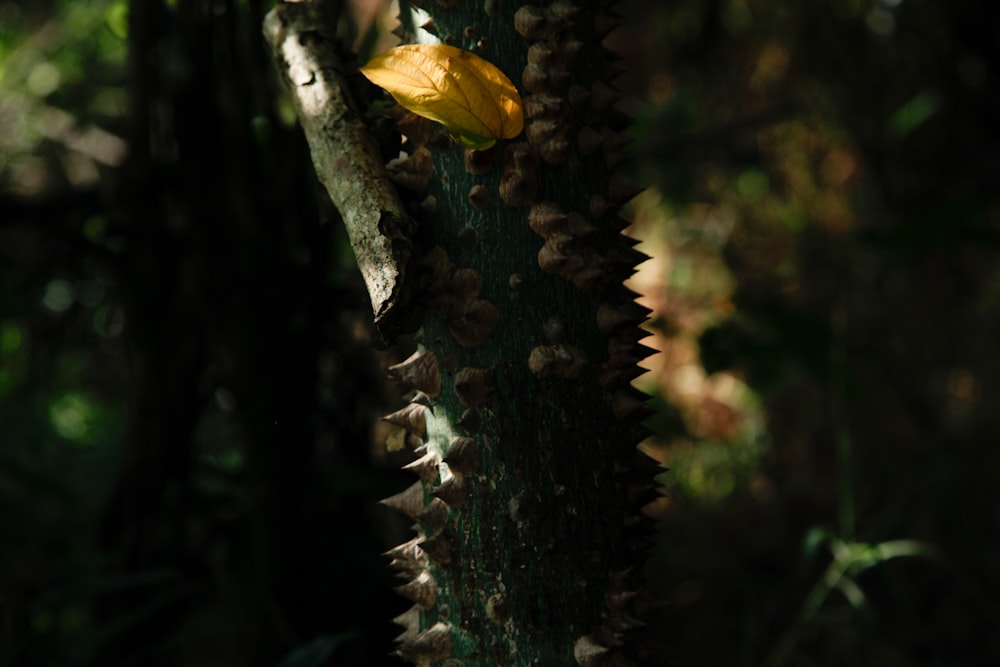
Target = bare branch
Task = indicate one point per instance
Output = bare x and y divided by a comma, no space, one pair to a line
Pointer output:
346,157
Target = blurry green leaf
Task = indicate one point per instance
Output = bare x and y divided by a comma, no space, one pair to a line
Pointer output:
116,18
915,548
71,417
866,556
11,337
59,295
95,227
753,184
914,113
855,596
44,79
815,539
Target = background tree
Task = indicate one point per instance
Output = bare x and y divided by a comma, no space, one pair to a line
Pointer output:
181,357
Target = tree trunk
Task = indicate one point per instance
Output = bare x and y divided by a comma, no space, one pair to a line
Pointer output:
524,423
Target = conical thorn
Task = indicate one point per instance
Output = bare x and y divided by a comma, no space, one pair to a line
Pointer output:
422,590
419,371
463,455
429,646
452,491
409,501
413,418
426,467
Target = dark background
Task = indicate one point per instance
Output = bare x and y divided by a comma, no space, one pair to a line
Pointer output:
187,387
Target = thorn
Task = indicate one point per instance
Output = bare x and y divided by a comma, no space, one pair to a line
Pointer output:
619,579
618,600
431,645
640,494
451,491
426,467
414,442
419,371
563,9
624,623
408,559
546,218
409,620
604,23
614,65
438,549
422,590
620,192
473,386
611,55
612,317
538,132
586,651
625,404
471,421
625,239
589,140
433,517
626,348
578,96
599,206
481,162
628,255
529,22
615,158
409,501
479,197
463,455
421,398
605,635
541,54
628,295
429,26
403,549
644,464
612,374
541,105
602,96
412,418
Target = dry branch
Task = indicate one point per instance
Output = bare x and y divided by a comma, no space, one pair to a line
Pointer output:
346,158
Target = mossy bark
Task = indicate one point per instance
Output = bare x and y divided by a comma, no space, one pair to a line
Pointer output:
524,424
526,534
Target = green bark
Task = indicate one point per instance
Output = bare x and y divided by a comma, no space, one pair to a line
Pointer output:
524,424
523,548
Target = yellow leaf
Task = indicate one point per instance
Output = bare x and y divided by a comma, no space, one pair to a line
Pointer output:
468,95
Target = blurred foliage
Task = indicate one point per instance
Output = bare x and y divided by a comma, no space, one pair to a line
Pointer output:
823,224
186,383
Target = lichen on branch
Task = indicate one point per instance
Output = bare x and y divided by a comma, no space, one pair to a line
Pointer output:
346,158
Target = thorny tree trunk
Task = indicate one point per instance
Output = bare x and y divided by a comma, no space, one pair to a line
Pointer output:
524,424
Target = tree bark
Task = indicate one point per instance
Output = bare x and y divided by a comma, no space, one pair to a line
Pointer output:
523,420
346,157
